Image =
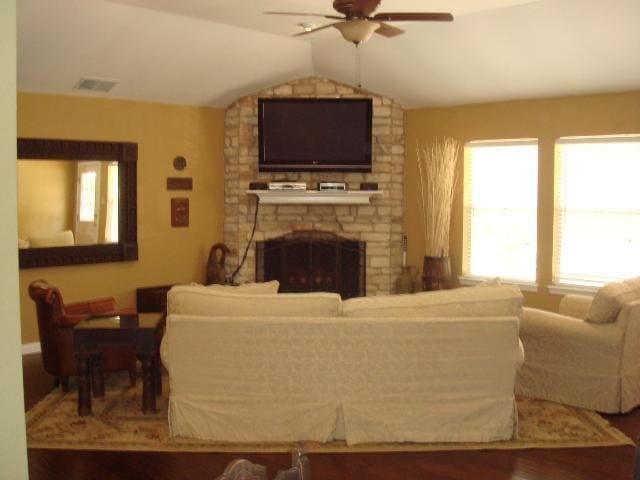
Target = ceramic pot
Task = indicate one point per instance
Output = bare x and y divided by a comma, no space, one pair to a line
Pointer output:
405,283
436,273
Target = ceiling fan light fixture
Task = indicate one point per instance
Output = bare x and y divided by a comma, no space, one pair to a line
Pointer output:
357,31
307,26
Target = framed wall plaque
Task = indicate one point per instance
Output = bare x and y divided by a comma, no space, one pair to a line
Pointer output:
179,212
179,183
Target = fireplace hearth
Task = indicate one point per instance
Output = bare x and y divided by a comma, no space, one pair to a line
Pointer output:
313,261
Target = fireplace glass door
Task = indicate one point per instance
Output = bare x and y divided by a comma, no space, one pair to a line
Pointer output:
313,261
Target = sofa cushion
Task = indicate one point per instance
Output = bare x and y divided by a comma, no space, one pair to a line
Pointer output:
61,239
188,300
609,300
257,288
485,301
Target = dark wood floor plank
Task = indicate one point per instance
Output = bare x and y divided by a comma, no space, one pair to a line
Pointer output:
611,463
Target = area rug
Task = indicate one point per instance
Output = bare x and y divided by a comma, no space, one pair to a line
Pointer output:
117,423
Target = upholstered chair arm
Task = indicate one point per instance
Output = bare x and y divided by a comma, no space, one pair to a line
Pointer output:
98,305
75,312
629,317
562,341
575,305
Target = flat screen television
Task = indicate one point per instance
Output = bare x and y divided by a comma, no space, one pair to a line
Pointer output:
314,135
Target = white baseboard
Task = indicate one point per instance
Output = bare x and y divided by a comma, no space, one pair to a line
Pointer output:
29,348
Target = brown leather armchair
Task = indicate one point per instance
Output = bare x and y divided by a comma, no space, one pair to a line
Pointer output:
55,326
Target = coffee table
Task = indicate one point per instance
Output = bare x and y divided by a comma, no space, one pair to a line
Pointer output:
142,332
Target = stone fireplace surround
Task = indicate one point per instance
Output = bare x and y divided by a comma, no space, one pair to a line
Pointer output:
379,224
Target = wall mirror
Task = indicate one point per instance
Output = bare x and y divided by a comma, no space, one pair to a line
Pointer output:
76,202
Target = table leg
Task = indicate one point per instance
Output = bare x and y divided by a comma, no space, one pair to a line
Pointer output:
84,387
97,375
148,388
157,370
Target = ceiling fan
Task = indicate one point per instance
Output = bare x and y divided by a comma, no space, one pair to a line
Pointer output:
357,25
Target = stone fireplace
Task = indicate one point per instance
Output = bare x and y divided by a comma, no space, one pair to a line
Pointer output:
313,261
378,224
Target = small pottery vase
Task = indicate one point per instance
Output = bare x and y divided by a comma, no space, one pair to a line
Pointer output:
405,283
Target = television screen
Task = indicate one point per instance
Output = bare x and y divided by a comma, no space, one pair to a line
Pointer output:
331,135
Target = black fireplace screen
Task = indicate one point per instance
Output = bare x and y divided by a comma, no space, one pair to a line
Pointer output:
313,261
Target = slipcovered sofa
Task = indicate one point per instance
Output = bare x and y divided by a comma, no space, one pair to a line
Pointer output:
588,354
428,367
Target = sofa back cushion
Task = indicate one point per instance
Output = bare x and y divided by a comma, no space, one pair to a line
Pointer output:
257,288
609,300
574,305
484,301
189,300
61,239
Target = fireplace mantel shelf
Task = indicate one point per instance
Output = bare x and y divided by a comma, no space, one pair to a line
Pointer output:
357,197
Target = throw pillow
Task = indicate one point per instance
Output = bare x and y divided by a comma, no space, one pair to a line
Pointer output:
609,300
489,282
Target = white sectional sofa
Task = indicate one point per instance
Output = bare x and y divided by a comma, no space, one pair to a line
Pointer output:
428,367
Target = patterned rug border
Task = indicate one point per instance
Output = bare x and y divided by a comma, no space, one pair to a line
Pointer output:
55,399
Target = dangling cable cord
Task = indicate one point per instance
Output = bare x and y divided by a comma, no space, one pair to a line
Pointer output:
231,280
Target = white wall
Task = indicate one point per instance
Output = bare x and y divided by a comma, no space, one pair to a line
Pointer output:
13,450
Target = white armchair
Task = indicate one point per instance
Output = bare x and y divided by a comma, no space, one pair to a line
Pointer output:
580,357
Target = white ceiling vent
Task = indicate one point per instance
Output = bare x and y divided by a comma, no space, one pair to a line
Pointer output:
95,84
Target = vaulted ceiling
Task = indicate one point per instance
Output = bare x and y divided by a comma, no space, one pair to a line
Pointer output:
209,52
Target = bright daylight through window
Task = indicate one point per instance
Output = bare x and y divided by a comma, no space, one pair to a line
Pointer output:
111,229
597,210
87,196
500,210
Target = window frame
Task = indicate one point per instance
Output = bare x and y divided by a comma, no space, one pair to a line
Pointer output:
467,278
559,287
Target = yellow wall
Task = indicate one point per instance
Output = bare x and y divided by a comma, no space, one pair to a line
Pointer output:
544,119
162,132
46,197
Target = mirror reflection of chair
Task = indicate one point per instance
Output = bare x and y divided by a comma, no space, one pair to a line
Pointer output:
55,325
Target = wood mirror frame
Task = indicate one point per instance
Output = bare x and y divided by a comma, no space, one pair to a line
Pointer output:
126,154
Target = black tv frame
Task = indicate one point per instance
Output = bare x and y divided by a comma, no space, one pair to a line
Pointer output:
315,165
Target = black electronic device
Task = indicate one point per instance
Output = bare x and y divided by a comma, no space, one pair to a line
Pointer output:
258,186
368,186
315,134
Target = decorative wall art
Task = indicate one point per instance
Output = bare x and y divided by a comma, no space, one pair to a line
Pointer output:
179,212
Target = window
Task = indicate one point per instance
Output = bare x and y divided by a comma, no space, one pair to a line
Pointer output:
87,196
111,227
500,210
597,210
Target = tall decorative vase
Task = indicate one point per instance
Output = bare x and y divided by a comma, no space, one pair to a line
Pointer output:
436,180
436,273
405,282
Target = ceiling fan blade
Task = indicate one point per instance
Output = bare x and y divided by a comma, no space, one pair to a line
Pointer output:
302,14
410,17
356,8
388,31
316,29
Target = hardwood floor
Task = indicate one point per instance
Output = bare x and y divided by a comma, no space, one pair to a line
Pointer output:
613,463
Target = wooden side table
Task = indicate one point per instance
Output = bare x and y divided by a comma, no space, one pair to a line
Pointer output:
152,299
143,332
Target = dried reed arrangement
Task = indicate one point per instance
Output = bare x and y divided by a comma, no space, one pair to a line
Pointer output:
436,180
